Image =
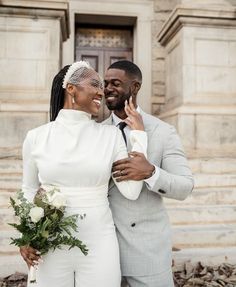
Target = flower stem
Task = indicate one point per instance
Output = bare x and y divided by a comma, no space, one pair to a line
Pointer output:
32,274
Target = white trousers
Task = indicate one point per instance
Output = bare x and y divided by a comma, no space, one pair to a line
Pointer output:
101,267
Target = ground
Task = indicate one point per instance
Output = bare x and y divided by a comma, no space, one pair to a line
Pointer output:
198,275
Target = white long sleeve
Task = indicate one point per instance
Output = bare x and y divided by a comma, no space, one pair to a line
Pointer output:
30,182
138,139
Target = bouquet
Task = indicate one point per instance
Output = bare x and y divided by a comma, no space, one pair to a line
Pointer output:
43,224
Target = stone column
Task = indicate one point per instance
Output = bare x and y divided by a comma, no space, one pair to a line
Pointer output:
200,42
31,34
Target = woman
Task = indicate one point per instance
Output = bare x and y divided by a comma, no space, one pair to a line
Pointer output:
76,154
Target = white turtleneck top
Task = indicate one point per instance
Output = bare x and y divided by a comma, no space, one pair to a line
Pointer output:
75,151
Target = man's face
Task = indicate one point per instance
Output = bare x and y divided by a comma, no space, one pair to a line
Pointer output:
117,89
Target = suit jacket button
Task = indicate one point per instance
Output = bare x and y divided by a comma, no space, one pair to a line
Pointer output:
133,224
161,191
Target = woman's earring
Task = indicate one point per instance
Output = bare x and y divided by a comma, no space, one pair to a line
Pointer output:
73,100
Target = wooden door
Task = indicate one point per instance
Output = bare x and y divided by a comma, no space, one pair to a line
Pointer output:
101,48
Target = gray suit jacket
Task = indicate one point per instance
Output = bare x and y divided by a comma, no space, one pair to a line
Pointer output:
143,227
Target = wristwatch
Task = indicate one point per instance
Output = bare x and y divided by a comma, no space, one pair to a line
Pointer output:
152,173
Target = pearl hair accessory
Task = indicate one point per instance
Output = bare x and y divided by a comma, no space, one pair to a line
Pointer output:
73,68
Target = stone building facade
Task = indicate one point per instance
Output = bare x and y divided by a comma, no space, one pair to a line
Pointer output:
187,52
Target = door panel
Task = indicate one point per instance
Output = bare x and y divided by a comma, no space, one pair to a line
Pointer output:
113,56
94,57
101,48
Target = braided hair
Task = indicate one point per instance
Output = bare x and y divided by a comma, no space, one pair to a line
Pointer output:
57,93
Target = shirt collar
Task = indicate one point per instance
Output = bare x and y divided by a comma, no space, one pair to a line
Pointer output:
116,120
75,116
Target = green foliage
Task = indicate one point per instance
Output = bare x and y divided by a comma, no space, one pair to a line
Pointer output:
51,231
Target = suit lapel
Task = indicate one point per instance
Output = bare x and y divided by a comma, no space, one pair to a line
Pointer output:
111,184
147,126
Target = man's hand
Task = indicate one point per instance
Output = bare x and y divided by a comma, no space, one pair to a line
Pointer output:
135,167
30,255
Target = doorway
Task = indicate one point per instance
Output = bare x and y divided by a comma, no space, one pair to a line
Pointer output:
102,45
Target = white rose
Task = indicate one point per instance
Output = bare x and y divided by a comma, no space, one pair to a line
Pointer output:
36,213
48,188
58,200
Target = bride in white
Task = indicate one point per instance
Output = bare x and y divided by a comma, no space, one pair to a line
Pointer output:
75,154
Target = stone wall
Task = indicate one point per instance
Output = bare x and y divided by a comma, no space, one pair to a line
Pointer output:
29,58
162,10
200,95
200,45
31,33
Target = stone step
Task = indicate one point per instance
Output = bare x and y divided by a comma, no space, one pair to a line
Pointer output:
212,253
184,215
10,166
210,256
202,165
215,235
11,176
5,198
11,153
5,236
210,195
207,214
214,180
10,182
213,165
184,236
7,249
6,216
199,196
11,263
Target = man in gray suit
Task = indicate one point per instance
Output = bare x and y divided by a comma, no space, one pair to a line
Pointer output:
143,227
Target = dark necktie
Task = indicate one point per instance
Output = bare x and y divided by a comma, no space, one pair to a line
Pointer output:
121,126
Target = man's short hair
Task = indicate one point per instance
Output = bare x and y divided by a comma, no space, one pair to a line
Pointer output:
129,67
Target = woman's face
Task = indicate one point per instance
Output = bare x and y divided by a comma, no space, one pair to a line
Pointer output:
88,94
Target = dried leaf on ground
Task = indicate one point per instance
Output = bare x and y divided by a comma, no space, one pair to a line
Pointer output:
189,275
202,275
15,280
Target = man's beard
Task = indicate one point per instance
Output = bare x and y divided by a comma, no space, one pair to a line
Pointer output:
119,105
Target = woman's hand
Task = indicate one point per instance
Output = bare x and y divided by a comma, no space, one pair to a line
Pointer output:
134,119
30,255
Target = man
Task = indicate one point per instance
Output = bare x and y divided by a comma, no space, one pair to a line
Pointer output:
143,227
